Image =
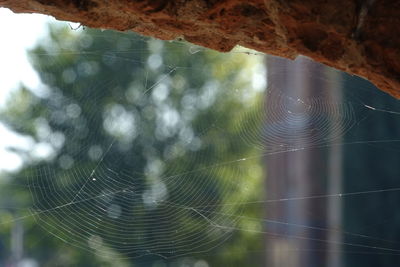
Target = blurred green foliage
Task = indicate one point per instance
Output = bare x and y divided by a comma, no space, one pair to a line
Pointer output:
137,154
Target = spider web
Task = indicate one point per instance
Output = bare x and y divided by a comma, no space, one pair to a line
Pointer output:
183,201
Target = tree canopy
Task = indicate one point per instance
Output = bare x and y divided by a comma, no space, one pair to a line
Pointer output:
137,155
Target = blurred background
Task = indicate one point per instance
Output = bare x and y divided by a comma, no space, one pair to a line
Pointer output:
122,150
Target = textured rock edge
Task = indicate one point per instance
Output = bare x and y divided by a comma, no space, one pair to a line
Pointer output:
360,37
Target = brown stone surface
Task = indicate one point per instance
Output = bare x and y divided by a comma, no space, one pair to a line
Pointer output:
361,37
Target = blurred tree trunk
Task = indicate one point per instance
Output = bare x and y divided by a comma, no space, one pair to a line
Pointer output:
305,172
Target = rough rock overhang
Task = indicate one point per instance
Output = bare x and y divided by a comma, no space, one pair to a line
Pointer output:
360,37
